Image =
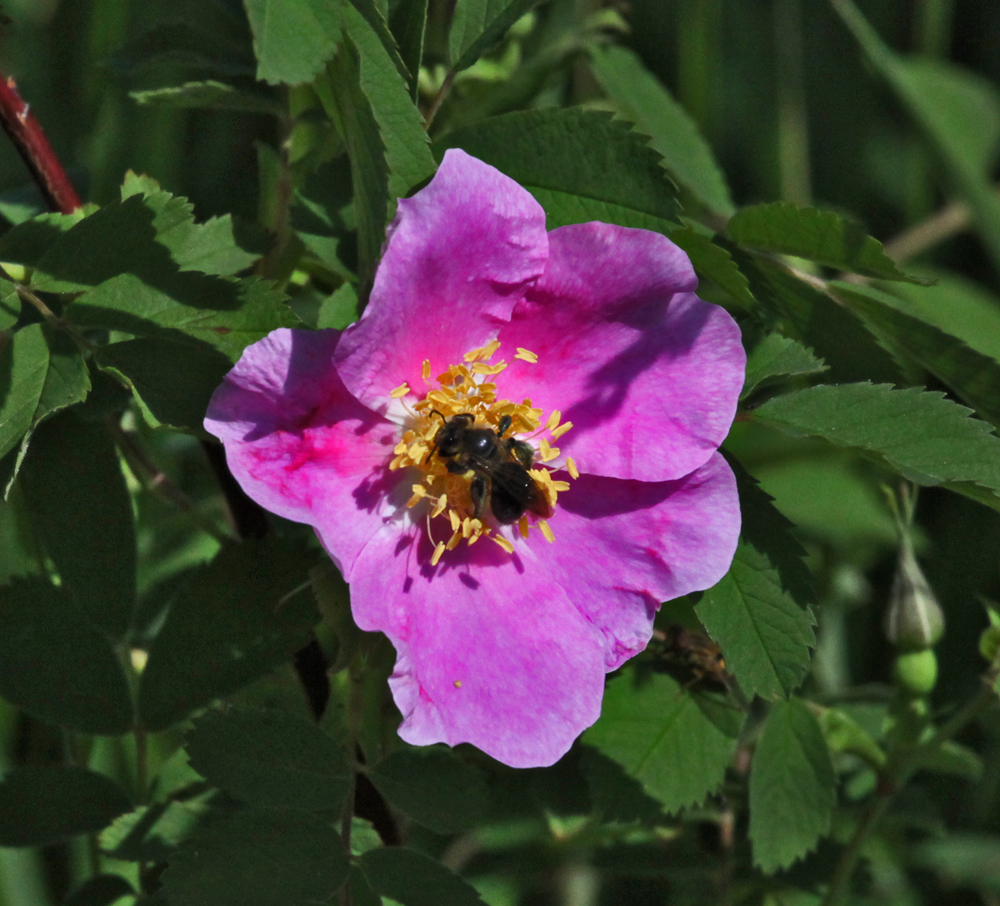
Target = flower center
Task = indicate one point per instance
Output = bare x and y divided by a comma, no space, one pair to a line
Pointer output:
474,471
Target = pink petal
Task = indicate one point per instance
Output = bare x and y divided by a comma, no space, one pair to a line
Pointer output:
622,547
300,445
648,373
460,254
490,649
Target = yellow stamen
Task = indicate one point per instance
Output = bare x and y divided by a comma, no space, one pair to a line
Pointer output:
561,430
546,530
470,388
547,453
400,391
503,542
571,467
458,684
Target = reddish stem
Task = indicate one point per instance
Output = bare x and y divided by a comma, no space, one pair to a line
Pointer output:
29,139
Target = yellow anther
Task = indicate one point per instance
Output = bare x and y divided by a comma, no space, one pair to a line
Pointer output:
425,370
401,447
419,492
400,391
503,542
561,430
453,540
571,467
526,355
560,485
455,519
458,684
442,502
522,526
546,531
547,453
553,419
438,553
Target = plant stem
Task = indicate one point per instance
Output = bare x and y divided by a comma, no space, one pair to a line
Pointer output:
442,93
156,481
891,784
32,144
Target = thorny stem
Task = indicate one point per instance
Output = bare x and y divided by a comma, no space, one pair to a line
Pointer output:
29,138
891,784
156,481
442,93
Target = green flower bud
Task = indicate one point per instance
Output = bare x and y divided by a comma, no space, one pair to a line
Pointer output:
916,671
914,620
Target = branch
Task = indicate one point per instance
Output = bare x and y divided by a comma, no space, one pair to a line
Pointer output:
29,138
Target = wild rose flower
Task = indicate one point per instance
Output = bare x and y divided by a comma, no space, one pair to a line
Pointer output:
582,354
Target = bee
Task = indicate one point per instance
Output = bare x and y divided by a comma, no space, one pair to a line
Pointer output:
500,466
693,657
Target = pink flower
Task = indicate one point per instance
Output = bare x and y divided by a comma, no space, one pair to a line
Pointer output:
620,378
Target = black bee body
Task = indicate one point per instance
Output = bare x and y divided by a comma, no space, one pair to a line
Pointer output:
501,467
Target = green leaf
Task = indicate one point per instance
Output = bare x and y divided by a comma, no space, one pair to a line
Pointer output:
765,635
100,890
225,314
382,129
409,22
375,13
152,833
40,805
791,787
270,758
10,305
973,376
292,39
821,236
833,333
432,787
209,94
963,859
362,893
400,126
27,242
580,164
655,730
479,24
24,363
413,879
212,247
339,309
81,510
171,382
56,665
640,97
617,796
239,617
714,262
921,435
776,357
771,535
959,113
957,305
258,857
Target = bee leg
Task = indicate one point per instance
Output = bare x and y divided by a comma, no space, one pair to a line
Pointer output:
478,491
504,425
455,468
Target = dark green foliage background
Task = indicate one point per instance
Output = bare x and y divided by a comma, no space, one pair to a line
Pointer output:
188,714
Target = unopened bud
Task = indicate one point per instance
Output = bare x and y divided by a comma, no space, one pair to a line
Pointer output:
916,671
914,620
